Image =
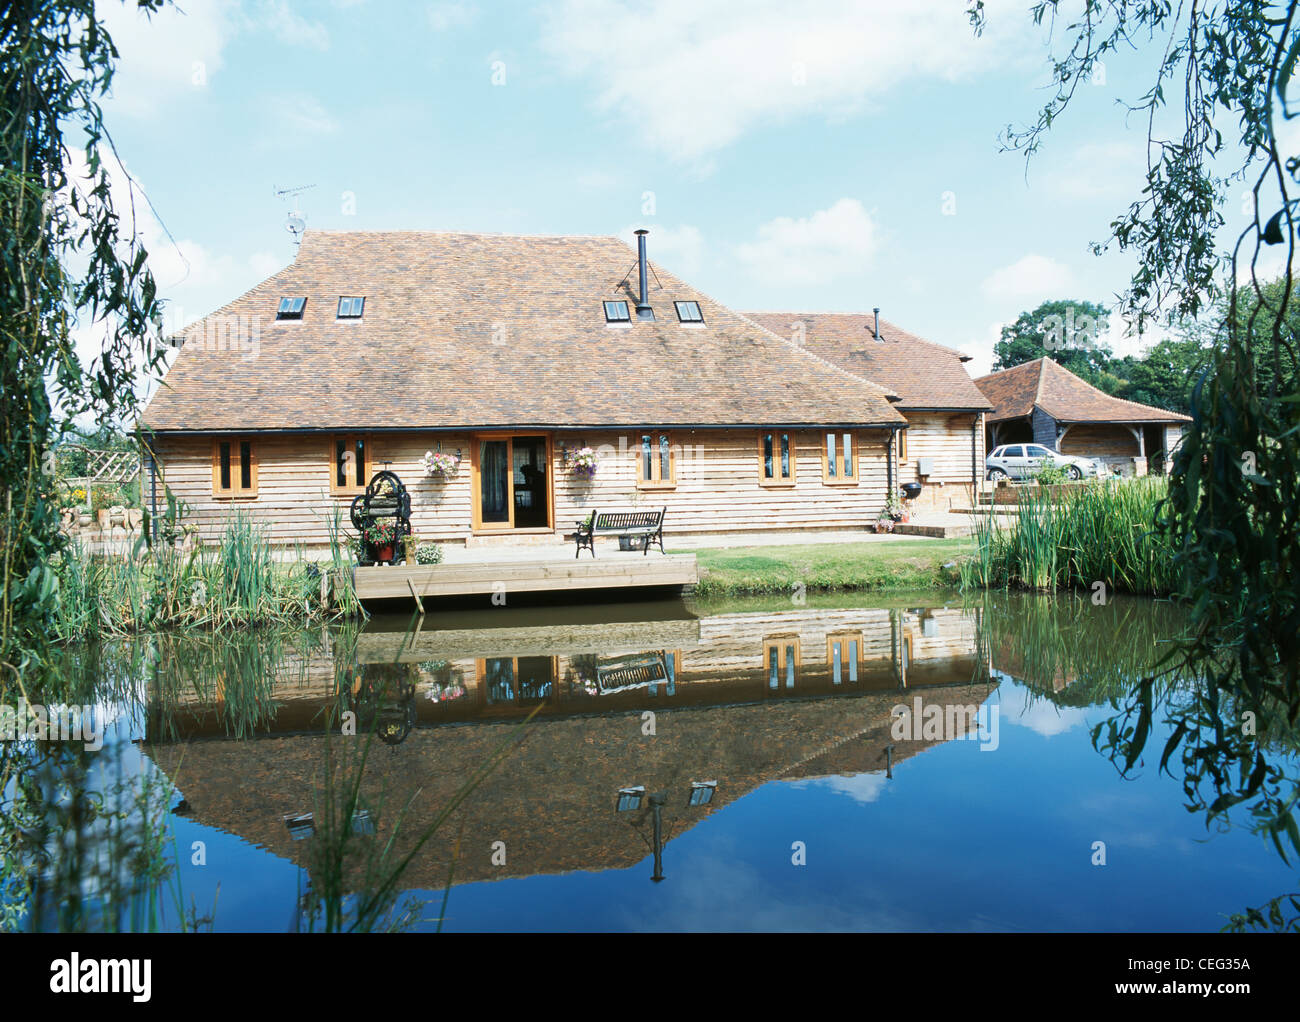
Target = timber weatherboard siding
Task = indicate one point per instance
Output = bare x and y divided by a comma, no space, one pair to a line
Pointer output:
717,488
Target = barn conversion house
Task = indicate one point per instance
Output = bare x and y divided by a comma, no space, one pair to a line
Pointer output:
488,371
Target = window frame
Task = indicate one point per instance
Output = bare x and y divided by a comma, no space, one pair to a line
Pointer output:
655,482
788,674
236,490
853,459
848,667
778,481
361,309
368,452
902,445
291,314
626,320
682,320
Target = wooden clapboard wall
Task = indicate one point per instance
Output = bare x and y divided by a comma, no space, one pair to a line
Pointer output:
717,484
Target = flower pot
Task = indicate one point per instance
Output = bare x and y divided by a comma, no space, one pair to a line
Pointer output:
383,553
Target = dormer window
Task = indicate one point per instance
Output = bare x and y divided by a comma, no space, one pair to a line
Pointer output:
350,308
616,312
689,313
290,308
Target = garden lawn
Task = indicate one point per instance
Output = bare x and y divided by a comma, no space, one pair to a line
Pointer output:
898,564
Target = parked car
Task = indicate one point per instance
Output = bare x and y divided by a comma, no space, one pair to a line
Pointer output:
1024,461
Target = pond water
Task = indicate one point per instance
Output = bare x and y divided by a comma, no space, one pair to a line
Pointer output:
838,764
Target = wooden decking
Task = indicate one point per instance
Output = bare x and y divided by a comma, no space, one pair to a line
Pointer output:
534,575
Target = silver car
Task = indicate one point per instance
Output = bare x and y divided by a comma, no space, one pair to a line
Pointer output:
1024,461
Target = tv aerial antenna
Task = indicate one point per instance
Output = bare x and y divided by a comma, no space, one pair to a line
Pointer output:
296,222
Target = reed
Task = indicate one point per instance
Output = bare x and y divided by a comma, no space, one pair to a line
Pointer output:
232,584
1102,532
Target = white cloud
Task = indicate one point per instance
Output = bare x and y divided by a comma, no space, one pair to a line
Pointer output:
444,17
694,77
831,243
168,54
279,18
1031,277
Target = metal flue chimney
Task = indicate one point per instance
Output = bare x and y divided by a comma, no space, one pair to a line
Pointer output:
877,329
643,310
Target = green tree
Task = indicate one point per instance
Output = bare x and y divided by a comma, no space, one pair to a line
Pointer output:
1231,511
1067,331
68,257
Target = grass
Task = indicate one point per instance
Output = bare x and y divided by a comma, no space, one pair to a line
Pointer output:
829,567
1103,532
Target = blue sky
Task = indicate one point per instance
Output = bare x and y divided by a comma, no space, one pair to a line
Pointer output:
803,157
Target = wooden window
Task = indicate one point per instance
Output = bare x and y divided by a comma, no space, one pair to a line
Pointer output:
350,460
843,655
839,459
776,458
781,660
656,462
902,444
234,469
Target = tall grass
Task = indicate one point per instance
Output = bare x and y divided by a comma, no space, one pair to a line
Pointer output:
1073,539
234,583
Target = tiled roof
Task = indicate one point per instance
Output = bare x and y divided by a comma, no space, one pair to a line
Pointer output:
476,330
1062,395
923,374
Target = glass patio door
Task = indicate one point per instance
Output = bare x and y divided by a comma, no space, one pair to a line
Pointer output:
512,489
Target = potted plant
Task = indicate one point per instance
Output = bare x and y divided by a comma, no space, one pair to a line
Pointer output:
885,523
894,508
381,536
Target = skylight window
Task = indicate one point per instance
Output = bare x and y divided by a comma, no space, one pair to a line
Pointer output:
290,308
689,312
350,308
616,312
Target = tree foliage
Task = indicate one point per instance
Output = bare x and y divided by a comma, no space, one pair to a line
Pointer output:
69,258
1229,69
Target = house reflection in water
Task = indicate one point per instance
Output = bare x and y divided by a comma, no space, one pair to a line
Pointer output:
641,728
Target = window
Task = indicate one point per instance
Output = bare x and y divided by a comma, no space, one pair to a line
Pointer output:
776,458
843,654
616,312
350,459
290,308
902,444
656,464
781,659
1037,451
689,312
234,469
350,308
839,460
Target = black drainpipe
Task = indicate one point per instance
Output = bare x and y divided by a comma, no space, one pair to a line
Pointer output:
889,461
643,310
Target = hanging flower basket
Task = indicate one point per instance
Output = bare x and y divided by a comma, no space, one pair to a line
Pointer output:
581,462
440,466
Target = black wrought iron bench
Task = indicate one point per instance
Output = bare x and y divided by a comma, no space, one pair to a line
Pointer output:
644,526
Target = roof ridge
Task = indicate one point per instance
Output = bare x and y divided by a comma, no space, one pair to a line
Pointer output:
865,315
1038,391
471,234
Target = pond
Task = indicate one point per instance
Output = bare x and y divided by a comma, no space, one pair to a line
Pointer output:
836,763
